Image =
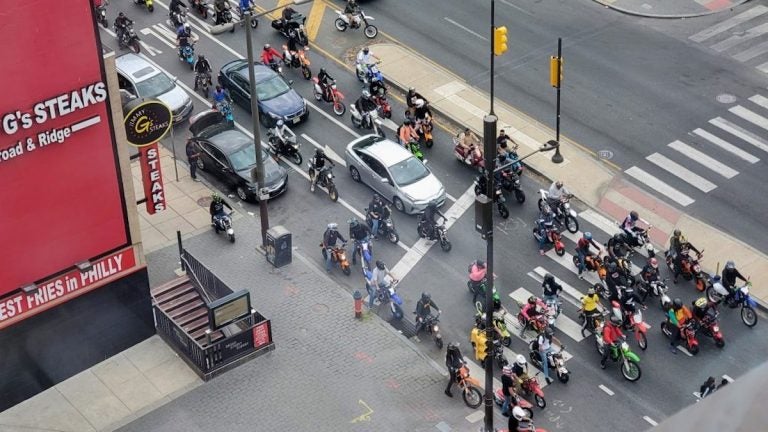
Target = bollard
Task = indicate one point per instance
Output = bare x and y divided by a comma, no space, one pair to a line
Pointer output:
358,304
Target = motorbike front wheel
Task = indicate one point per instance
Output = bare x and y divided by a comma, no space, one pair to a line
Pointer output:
472,396
296,158
134,46
571,224
642,341
445,245
254,23
346,270
232,238
540,401
393,237
306,73
370,31
339,108
520,196
439,342
503,211
630,371
397,313
340,24
748,316
563,377
506,341
333,194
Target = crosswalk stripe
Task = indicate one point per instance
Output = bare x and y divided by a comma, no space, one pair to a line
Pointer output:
750,116
740,132
147,31
682,172
737,39
729,23
659,186
569,298
755,51
600,221
725,145
763,67
564,324
703,159
759,100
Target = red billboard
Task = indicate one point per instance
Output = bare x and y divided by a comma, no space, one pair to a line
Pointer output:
59,176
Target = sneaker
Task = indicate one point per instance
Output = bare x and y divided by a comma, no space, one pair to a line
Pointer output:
505,413
448,393
541,252
549,380
581,276
196,180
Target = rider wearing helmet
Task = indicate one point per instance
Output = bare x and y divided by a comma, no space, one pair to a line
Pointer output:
430,219
611,336
555,195
352,10
615,280
410,99
520,369
590,304
650,272
424,310
546,221
678,249
319,167
530,310
365,106
552,289
381,279
407,133
365,57
729,276
268,55
330,236
359,233
421,109
217,208
630,301
202,68
325,80
616,246
630,228
121,24
544,342
677,316
583,251
453,361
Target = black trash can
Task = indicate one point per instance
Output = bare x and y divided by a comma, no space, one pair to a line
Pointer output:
279,246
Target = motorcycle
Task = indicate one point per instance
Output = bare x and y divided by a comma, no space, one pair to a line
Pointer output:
226,17
149,4
688,330
363,248
657,288
128,39
554,308
500,326
498,397
386,226
284,143
641,239
716,292
630,368
224,223
382,105
275,66
101,14
358,20
498,197
203,83
338,257
531,386
496,354
554,238
439,233
325,180
709,327
225,108
564,214
424,129
295,24
389,295
336,97
555,359
592,322
368,121
468,156
633,322
691,268
470,387
415,149
187,54
431,326
201,6
177,18
510,181
298,60
368,72
537,323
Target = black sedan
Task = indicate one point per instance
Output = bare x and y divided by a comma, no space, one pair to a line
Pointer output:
277,100
230,155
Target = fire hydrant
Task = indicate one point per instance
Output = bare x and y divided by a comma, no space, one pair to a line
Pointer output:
358,304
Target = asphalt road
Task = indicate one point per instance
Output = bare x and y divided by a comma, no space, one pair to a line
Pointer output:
631,86
668,379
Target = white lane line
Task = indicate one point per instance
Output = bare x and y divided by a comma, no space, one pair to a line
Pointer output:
759,100
740,132
704,159
763,67
650,421
421,247
569,327
599,221
113,34
606,390
161,30
729,23
572,292
151,50
149,31
725,145
328,151
750,116
450,197
755,51
468,30
659,186
682,172
684,351
513,6
476,416
737,39
727,378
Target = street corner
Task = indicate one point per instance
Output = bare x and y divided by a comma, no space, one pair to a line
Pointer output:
670,9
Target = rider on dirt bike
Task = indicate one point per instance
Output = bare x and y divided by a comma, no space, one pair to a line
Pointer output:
676,245
611,336
358,233
318,164
555,195
590,304
325,80
677,316
630,301
365,106
650,272
330,237
630,228
729,276
381,279
582,250
352,9
615,279
544,223
616,246
533,308
424,310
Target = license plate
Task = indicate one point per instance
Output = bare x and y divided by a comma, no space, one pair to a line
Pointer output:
296,120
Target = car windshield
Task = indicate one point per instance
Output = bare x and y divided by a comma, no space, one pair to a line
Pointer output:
408,171
271,88
154,86
245,158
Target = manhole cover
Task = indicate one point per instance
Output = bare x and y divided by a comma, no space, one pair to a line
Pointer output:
605,154
320,308
726,98
204,201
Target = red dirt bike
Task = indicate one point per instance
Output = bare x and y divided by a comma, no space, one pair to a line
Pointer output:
498,397
633,322
333,96
710,327
554,238
688,334
691,268
531,386
382,105
538,323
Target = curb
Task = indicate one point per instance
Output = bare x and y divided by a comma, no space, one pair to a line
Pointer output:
663,16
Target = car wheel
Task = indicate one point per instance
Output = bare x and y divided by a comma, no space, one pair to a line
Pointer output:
355,174
398,204
200,164
242,193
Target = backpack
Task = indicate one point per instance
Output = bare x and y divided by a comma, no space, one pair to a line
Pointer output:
535,345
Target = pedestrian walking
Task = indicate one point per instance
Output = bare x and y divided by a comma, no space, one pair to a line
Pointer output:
192,156
707,388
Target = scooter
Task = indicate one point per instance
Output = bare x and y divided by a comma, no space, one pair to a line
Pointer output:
498,397
386,226
498,197
554,238
336,97
149,4
187,54
369,121
283,141
224,223
298,60
688,334
717,292
359,20
555,359
563,212
225,108
338,257
633,322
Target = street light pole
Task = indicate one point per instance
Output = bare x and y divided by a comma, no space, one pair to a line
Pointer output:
557,157
258,173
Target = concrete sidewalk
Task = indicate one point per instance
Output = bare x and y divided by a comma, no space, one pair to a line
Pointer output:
603,188
670,8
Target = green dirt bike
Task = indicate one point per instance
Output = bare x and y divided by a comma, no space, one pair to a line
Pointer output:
415,148
630,369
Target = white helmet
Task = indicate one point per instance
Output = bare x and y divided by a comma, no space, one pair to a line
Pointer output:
419,103
520,360
518,413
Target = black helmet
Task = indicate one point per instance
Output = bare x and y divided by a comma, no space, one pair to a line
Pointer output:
612,267
549,278
496,304
480,263
322,70
425,297
353,222
376,197
121,15
501,157
633,215
532,300
319,153
380,265
615,320
201,57
677,304
677,232
452,346
407,121
366,50
549,332
617,237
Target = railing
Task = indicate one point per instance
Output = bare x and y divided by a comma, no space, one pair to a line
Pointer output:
180,340
211,287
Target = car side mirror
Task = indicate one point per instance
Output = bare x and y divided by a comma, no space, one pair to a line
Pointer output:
385,180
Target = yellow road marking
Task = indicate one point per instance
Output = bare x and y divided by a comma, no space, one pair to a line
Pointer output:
314,19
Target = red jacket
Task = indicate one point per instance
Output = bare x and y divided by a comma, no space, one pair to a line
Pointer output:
267,56
611,333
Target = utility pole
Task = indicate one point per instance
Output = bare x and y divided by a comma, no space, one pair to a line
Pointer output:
555,79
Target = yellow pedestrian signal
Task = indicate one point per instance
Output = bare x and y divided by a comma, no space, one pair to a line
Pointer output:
555,71
499,40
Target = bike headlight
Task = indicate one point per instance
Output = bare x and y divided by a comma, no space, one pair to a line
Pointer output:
624,346
435,328
716,329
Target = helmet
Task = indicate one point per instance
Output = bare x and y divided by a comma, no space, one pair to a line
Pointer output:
502,157
322,70
496,303
591,291
366,94
506,370
480,263
280,123
267,46
376,197
425,296
200,57
654,262
333,226
352,2
216,197
587,235
432,205
520,360
380,265
407,121
353,222
615,320
549,278
518,413
677,232
612,267
559,184
187,28
617,237
532,300
549,332
633,215
730,265
419,103
319,153
121,15
366,50
677,303
411,90
452,346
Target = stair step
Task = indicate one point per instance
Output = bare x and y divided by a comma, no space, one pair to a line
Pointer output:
184,309
191,316
175,283
176,292
203,341
196,324
179,301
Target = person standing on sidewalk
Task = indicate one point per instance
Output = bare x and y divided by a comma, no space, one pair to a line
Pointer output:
192,156
454,361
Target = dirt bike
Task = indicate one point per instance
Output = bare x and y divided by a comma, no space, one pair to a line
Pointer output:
531,386
298,60
325,180
439,233
470,387
554,238
358,20
630,368
633,322
564,214
498,196
386,226
688,335
338,257
498,397
336,97
389,295
717,292
556,361
510,181
382,105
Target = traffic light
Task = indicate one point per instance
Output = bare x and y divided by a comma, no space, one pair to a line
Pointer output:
499,40
555,71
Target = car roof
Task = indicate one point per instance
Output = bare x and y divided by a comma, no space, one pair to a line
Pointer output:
135,66
230,141
386,151
261,72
